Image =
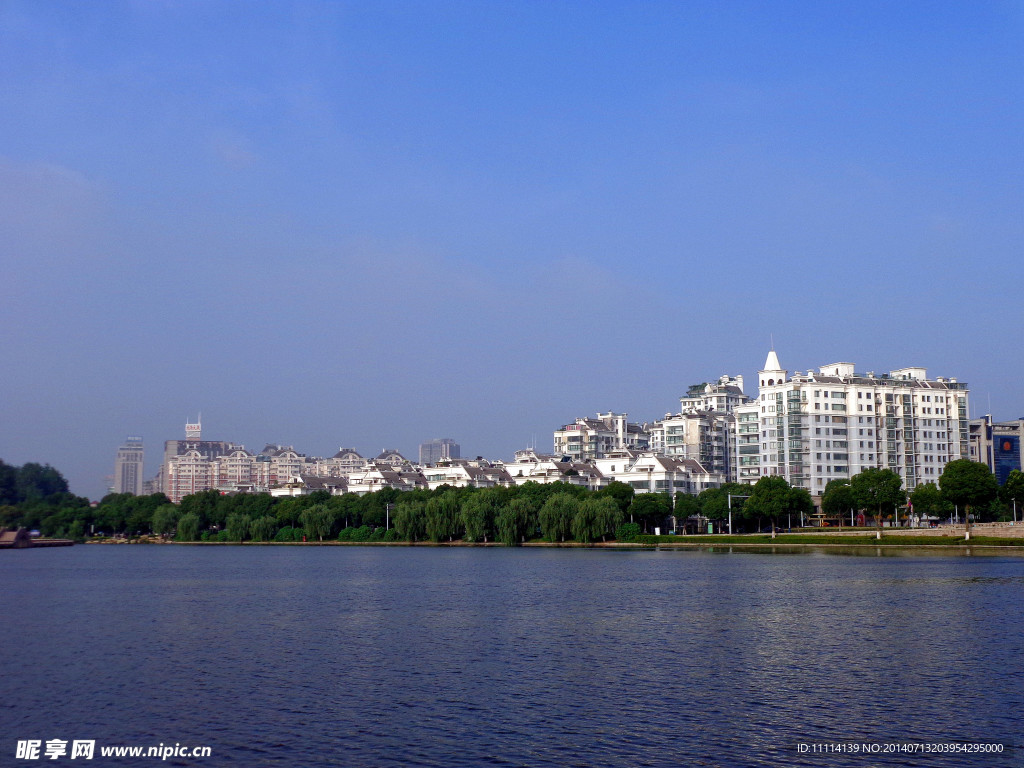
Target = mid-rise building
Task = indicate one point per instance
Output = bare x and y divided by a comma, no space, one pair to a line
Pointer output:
834,423
593,438
702,429
128,467
996,444
648,472
341,464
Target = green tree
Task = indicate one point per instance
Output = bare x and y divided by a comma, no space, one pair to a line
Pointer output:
585,526
165,518
627,532
317,521
76,530
770,497
263,528
188,527
927,501
1013,491
140,515
622,493
35,482
800,502
346,509
477,513
515,521
287,533
838,501
204,506
607,515
598,518
442,516
410,519
968,484
556,516
8,484
649,509
877,489
686,507
236,527
714,502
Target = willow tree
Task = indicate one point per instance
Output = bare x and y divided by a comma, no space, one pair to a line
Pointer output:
556,516
477,515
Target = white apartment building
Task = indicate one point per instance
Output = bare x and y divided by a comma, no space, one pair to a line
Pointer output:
341,464
722,397
593,438
834,423
460,473
703,427
649,473
545,468
376,477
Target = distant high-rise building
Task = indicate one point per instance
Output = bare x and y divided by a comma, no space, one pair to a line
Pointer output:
128,467
438,450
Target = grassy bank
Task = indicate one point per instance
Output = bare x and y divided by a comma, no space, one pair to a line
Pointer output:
846,540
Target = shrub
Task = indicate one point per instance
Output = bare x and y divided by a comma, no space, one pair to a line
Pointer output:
628,532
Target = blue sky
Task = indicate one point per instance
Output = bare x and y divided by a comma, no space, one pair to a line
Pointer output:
373,224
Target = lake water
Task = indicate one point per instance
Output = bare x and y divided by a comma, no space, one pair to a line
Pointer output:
367,656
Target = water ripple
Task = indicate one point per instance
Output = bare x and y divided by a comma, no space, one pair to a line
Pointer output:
504,657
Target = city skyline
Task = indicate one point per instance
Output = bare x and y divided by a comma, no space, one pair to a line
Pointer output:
327,225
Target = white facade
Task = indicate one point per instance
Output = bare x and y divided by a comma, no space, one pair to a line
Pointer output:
461,473
545,468
650,473
341,464
835,423
721,397
593,438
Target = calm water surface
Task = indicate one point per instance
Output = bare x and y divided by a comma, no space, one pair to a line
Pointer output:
353,656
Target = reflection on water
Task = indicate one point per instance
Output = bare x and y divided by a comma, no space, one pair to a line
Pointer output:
547,657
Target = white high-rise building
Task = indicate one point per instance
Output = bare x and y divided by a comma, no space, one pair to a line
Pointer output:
834,423
128,467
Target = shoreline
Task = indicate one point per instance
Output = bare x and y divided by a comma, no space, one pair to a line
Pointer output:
918,543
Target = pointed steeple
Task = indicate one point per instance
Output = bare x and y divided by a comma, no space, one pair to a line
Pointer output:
773,373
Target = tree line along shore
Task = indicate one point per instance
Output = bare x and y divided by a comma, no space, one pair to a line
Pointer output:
37,497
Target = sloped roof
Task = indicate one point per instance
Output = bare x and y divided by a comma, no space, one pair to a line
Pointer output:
771,363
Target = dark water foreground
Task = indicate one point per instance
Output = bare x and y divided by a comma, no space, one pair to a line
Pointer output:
511,657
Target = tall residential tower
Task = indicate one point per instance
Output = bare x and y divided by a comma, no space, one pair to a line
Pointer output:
833,423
